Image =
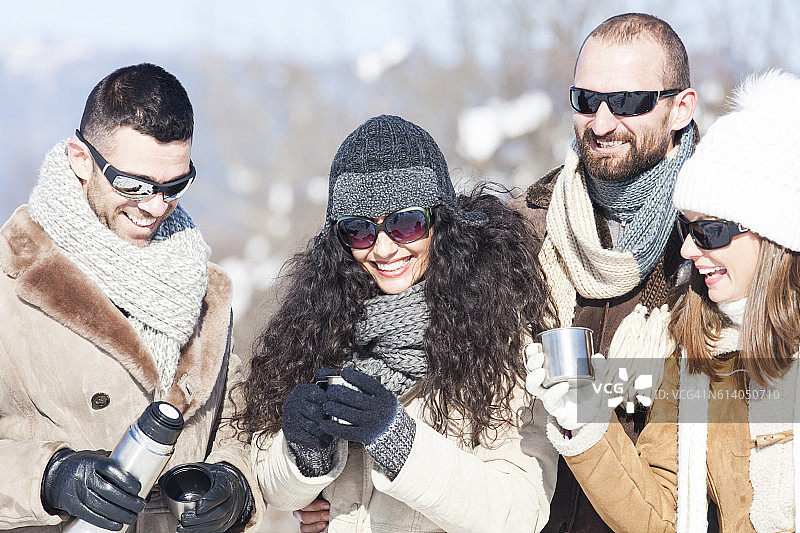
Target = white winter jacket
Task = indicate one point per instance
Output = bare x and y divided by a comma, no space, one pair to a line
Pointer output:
500,486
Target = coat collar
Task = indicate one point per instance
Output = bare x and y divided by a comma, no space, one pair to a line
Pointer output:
540,192
48,280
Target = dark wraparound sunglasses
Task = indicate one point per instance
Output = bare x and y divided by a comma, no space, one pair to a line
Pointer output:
134,187
709,234
620,103
403,226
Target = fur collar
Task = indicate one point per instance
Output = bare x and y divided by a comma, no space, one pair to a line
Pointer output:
48,280
540,191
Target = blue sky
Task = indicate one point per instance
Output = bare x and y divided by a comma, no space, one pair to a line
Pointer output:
319,31
315,30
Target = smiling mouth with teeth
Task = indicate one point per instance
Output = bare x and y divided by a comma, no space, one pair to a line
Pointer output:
608,144
394,265
141,222
712,270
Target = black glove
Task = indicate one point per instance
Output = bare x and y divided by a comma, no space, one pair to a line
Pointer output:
303,414
370,410
228,503
375,419
92,487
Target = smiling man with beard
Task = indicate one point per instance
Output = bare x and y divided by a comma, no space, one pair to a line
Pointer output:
606,217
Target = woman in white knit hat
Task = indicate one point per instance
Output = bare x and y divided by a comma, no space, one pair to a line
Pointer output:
723,421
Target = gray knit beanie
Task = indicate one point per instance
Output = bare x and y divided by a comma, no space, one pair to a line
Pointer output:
387,164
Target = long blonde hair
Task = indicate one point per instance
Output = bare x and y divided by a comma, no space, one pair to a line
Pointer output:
770,330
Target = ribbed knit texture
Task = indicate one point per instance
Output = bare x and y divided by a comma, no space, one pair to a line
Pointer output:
389,337
384,143
390,340
576,262
572,255
388,163
376,194
160,287
391,449
313,461
645,204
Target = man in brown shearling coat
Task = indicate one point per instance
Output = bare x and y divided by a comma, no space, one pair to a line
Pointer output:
109,303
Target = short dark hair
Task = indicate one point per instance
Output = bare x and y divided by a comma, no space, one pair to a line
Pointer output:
144,97
627,27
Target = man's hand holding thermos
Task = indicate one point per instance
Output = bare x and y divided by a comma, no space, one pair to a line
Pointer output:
92,487
105,493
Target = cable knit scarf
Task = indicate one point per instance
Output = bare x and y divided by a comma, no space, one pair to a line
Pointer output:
774,468
389,338
575,261
160,287
644,203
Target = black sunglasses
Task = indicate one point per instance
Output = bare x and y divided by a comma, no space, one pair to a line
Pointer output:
136,188
709,234
403,226
620,103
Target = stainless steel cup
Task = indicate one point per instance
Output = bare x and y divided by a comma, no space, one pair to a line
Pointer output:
337,380
183,486
567,354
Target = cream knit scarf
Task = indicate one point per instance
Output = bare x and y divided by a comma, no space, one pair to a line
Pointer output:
575,261
159,287
774,469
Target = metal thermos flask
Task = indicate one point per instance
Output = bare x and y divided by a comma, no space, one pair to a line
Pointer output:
143,451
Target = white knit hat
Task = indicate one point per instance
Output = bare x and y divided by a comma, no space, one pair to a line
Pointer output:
747,167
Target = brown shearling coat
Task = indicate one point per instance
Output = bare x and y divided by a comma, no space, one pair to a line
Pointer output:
645,478
74,374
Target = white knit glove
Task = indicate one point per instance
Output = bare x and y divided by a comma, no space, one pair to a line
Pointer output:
572,407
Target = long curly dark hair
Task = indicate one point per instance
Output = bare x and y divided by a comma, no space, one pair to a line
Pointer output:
485,291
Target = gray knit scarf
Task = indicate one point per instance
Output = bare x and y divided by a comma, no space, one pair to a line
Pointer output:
389,338
644,203
160,287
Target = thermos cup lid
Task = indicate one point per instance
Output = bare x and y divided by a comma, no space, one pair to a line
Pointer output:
162,422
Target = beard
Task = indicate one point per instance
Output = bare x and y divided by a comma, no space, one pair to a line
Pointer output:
645,152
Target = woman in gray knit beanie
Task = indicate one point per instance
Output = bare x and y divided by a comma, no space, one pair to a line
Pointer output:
421,300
